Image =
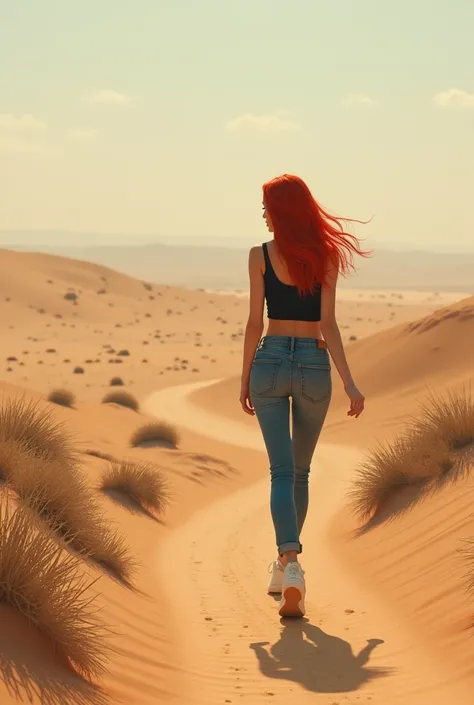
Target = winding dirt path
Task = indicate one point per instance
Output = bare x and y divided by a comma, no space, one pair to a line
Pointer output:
232,645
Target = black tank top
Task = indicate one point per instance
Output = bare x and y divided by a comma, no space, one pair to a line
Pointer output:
284,302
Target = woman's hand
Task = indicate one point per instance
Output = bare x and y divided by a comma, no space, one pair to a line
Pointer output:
245,400
357,400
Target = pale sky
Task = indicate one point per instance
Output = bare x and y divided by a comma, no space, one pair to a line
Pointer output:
164,117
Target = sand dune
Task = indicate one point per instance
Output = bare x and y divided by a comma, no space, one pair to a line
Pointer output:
394,368
66,319
353,641
387,611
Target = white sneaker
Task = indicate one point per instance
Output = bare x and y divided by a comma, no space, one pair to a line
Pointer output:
293,592
275,585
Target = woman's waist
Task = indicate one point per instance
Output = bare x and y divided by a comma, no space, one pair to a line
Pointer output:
303,330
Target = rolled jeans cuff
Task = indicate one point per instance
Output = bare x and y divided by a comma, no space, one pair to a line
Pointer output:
290,546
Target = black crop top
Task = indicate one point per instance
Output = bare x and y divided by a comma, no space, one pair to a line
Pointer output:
284,302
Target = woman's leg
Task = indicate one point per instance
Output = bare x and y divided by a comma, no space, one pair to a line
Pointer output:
308,419
273,414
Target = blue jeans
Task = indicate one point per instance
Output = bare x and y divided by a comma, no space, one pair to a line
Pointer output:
286,367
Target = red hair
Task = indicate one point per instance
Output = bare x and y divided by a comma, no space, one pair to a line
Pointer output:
308,238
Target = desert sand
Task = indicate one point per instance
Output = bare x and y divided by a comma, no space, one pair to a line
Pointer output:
389,618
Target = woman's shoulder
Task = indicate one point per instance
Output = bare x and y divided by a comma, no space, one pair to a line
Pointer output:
258,250
257,257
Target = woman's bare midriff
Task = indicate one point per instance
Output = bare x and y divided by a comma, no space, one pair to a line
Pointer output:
297,329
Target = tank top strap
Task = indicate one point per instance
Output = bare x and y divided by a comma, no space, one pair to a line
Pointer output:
266,257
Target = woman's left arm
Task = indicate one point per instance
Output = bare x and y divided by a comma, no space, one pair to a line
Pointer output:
254,327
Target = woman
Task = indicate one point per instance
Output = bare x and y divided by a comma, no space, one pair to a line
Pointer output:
296,273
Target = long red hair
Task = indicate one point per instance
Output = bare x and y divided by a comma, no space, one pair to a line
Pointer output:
307,237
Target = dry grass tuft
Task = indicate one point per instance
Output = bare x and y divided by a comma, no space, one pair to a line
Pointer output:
62,397
32,427
43,582
142,482
116,381
123,398
435,446
70,510
450,418
156,433
38,462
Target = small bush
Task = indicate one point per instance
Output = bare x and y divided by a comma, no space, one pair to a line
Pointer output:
434,446
70,510
157,433
116,381
42,582
41,466
62,397
33,428
123,398
78,371
142,482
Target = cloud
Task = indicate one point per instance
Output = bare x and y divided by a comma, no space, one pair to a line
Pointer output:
109,96
360,100
454,98
25,124
22,133
263,123
83,135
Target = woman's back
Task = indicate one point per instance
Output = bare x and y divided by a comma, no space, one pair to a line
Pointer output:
288,312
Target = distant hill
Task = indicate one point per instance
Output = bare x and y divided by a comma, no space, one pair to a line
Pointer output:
226,268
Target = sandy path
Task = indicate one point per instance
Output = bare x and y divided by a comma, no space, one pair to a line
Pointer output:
233,646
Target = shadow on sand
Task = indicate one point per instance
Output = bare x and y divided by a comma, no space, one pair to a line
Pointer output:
31,674
319,662
131,505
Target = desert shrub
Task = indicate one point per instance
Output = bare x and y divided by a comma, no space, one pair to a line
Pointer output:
155,433
41,466
44,583
78,371
123,398
116,381
62,397
26,424
70,510
449,418
144,483
435,445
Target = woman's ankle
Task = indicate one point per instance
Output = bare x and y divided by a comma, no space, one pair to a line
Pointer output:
289,557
